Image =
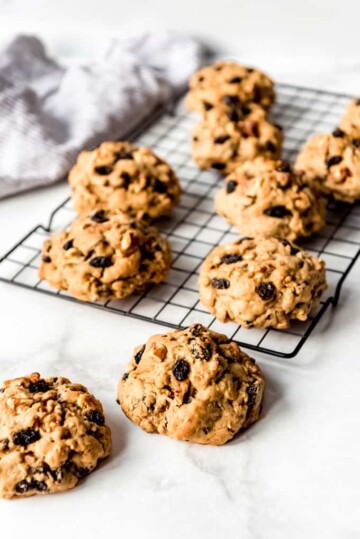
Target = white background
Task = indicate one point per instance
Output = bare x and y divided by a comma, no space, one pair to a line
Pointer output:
295,474
328,27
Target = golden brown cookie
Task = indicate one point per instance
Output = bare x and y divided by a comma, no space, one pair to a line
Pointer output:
229,135
330,164
52,433
106,255
121,176
193,385
263,197
350,122
261,282
213,84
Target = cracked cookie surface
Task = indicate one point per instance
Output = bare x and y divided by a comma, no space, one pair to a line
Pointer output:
52,434
121,176
261,282
330,164
263,197
213,84
229,135
193,385
106,255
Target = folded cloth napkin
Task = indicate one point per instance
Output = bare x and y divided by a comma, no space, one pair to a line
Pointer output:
48,112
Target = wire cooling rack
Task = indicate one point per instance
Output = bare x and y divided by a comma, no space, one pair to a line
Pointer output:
194,229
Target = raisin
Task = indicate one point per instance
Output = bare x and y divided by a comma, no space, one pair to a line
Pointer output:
278,212
82,471
356,142
79,471
125,376
338,133
233,115
283,167
123,156
186,397
104,170
68,245
257,95
25,486
265,290
25,437
44,469
333,161
159,186
46,259
5,444
270,147
201,78
181,370
22,486
41,486
126,177
250,70
99,217
101,262
196,330
138,355
146,254
245,110
235,80
252,394
294,251
357,102
95,417
231,258
39,387
221,139
220,283
207,105
254,130
231,100
200,352
231,186
218,166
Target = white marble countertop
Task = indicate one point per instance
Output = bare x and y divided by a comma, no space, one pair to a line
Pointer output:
295,474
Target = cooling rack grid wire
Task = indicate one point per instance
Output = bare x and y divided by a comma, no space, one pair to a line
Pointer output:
194,229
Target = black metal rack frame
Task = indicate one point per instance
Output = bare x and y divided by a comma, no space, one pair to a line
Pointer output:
194,229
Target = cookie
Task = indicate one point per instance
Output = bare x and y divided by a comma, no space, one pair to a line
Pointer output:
192,384
219,82
121,176
228,136
330,164
52,434
106,255
261,282
263,197
350,122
